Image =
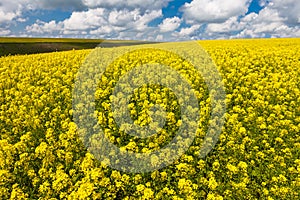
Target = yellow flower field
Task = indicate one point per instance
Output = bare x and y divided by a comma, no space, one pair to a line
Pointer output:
257,155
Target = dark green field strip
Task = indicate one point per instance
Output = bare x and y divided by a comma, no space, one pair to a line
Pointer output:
47,40
21,46
32,48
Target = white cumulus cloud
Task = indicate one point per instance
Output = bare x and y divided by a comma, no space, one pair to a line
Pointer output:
4,32
41,27
187,33
99,21
120,4
170,24
276,19
289,10
214,10
84,20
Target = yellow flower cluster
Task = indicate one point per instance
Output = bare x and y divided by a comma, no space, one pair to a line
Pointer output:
257,156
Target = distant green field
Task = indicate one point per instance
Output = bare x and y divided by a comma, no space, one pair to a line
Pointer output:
47,40
20,46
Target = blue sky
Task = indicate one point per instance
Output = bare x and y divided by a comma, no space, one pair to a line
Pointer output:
159,20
